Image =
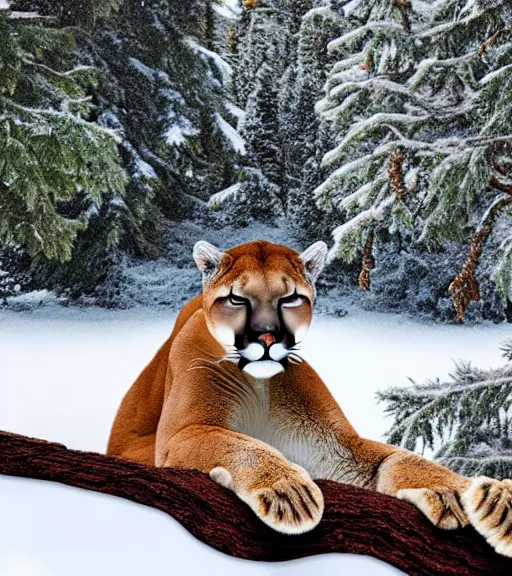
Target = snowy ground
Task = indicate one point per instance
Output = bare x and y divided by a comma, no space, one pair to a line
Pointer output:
63,373
65,370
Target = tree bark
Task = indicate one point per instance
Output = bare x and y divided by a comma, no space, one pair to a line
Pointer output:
355,521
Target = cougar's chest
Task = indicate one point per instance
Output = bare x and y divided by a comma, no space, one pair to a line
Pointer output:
252,416
300,440
260,418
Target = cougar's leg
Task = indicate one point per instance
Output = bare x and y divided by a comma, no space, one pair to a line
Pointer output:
281,493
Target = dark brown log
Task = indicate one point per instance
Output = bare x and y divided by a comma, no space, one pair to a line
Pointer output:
355,520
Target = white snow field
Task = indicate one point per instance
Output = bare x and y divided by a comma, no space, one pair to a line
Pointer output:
63,372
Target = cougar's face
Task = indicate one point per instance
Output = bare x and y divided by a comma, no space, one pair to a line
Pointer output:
258,300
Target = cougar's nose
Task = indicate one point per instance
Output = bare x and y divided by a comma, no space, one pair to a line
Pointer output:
268,338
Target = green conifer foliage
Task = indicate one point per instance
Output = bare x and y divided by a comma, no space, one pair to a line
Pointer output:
305,136
465,421
82,13
261,127
147,84
417,104
54,165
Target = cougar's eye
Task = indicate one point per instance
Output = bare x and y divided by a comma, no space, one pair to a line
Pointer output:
234,301
293,301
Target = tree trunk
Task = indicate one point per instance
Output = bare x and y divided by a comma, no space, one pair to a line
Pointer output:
355,521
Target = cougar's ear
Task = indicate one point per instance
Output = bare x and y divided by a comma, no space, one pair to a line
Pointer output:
314,259
207,257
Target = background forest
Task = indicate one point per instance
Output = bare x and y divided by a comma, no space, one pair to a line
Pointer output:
380,126
131,128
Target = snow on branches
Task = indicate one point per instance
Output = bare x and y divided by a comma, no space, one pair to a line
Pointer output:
56,165
466,421
418,109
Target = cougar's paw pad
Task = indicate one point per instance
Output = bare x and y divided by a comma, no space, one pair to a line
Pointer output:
291,506
488,504
442,507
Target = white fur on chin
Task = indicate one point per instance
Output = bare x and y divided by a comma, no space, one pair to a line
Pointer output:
263,369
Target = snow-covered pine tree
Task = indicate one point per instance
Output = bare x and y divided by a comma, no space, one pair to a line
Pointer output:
261,125
466,421
263,26
170,96
261,49
257,194
165,94
169,93
306,144
279,73
417,128
56,166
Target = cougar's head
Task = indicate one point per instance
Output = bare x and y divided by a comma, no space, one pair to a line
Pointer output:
258,300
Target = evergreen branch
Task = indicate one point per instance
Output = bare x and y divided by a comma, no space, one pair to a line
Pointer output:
426,65
356,197
426,405
447,27
67,74
506,350
342,66
377,120
64,116
479,465
263,10
324,106
493,211
381,82
442,393
380,120
495,74
486,140
448,146
372,26
355,225
29,17
84,100
345,169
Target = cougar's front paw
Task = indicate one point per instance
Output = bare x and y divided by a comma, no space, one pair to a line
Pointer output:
488,504
289,502
290,505
442,507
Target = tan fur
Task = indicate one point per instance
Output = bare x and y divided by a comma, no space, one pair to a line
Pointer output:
266,438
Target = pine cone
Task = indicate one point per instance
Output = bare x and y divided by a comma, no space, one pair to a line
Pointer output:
368,262
396,174
404,6
465,288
